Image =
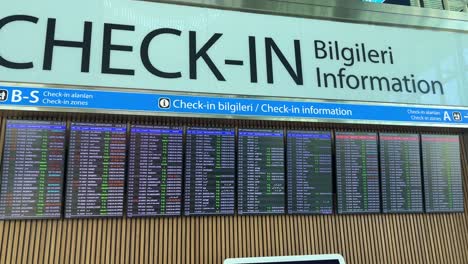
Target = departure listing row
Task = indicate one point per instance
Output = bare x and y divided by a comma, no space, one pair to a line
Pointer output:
196,171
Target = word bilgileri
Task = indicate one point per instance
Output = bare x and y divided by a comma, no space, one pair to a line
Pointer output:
342,79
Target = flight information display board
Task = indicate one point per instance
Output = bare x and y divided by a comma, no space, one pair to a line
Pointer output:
310,178
96,170
32,173
210,171
261,175
357,172
400,170
442,173
155,171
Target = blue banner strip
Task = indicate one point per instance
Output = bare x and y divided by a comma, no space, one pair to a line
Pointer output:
109,101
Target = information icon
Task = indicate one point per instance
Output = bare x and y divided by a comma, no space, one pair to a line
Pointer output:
164,103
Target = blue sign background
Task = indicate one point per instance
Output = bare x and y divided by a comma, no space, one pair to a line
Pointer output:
169,104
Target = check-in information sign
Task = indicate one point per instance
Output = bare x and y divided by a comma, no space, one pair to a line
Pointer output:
13,97
174,49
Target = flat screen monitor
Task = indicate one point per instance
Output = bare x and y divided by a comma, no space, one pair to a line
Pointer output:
33,170
261,172
210,171
357,172
400,170
155,165
443,189
96,170
310,259
309,172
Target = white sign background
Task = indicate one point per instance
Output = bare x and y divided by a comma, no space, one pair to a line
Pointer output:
428,54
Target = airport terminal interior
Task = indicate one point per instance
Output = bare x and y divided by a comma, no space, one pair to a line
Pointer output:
205,131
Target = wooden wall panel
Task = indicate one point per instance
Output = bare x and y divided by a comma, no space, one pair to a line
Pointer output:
361,239
425,238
